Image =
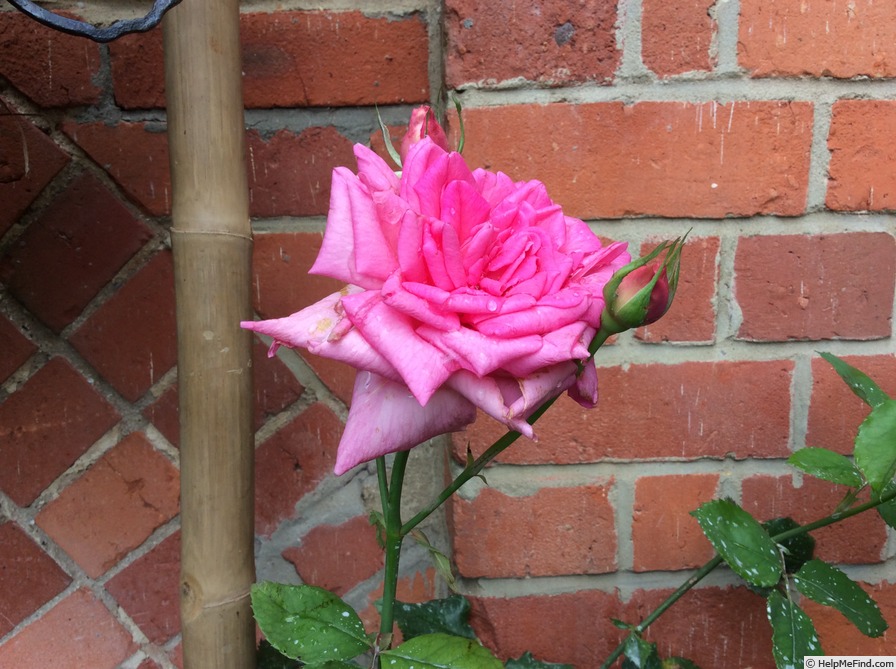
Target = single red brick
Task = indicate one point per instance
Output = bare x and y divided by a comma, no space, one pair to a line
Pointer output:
835,413
131,339
838,637
52,68
337,557
808,287
78,632
857,540
86,235
281,286
28,162
664,534
819,39
28,577
149,590
677,38
135,155
290,174
572,628
551,43
555,531
299,59
610,159
45,425
122,499
291,463
138,70
861,176
713,627
689,410
15,347
691,318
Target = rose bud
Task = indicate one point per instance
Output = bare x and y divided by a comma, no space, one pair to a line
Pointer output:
642,291
423,124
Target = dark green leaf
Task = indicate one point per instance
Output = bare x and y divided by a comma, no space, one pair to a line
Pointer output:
875,452
793,634
440,651
439,616
859,382
678,663
333,664
269,657
887,510
741,541
526,661
798,549
829,586
828,465
308,623
640,654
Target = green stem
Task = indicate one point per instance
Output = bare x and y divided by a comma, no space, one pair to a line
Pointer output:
704,571
394,536
473,469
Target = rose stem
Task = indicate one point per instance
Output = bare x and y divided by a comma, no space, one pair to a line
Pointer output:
394,536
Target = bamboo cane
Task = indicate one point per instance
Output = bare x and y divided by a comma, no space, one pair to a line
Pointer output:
211,241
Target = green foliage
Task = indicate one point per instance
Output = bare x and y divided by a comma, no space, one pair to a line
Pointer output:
793,634
875,450
859,382
828,465
526,661
741,541
440,651
828,585
797,549
678,663
439,616
269,657
887,510
308,623
439,559
640,654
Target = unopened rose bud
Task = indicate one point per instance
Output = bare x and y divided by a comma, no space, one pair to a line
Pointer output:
423,123
642,291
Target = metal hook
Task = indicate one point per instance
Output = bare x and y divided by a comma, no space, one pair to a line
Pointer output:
97,34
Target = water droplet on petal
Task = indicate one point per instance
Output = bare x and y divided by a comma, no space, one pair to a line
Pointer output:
492,305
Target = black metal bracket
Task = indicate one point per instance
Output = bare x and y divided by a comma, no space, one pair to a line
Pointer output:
96,33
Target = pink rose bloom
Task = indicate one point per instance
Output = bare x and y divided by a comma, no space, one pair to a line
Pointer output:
465,289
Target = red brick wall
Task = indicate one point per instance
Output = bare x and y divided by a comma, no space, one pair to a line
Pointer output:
766,126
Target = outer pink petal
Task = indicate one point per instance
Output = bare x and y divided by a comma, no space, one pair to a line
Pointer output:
337,252
486,393
584,390
566,343
323,329
374,171
532,391
385,418
480,354
421,365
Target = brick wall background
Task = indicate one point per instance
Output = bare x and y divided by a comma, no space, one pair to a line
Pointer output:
766,126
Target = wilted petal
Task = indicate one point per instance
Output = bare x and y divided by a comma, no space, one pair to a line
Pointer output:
486,394
386,418
584,390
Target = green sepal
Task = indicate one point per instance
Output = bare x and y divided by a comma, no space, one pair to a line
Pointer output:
439,559
387,139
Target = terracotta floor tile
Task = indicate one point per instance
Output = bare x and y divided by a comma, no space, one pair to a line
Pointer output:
149,590
86,235
29,578
45,426
78,633
114,506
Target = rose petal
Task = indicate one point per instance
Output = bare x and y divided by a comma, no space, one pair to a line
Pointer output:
385,418
486,394
425,311
478,353
421,365
584,390
373,171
